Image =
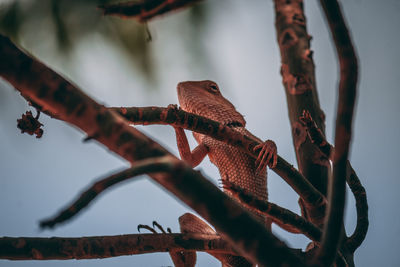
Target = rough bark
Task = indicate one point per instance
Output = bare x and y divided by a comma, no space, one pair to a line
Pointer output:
298,78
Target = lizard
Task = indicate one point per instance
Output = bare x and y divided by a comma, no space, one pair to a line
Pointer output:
204,98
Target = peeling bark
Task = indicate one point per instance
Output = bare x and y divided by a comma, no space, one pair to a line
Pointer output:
300,86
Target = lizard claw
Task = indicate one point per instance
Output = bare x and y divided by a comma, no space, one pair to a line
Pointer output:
153,229
268,155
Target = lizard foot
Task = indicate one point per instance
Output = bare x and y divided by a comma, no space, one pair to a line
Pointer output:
268,155
153,229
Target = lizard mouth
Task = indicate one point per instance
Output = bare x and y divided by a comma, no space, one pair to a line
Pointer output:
234,124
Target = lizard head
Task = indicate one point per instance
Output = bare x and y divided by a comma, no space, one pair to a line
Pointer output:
204,98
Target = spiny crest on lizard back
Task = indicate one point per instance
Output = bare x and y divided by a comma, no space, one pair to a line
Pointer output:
205,99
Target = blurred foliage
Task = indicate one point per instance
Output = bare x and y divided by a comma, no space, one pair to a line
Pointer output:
72,20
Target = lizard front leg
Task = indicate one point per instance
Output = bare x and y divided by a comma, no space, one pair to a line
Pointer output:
193,158
268,155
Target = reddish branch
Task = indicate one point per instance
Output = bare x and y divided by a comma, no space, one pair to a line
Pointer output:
355,240
347,95
145,9
283,217
96,247
298,78
312,198
53,93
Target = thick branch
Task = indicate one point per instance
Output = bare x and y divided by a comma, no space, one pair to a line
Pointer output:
52,93
145,10
313,199
298,77
95,247
347,95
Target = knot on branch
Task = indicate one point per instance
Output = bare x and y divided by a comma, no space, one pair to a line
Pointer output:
29,124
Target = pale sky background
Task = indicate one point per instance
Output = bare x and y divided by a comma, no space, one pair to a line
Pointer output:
38,177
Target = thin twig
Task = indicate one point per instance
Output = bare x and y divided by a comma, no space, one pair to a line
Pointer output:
359,234
347,94
141,167
279,215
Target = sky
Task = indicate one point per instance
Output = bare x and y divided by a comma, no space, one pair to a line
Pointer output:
238,50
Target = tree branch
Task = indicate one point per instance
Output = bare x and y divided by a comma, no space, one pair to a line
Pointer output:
53,93
298,78
145,10
347,94
360,195
283,217
359,234
151,165
96,247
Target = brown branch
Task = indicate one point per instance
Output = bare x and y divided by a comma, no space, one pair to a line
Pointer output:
347,94
145,10
141,167
313,199
283,217
298,77
96,247
54,94
358,236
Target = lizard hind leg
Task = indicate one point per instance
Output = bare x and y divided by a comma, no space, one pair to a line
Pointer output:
191,224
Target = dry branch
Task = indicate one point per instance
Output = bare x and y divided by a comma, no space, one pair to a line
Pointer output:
298,78
283,217
141,167
96,247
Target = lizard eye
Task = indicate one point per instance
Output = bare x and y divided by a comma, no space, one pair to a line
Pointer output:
214,87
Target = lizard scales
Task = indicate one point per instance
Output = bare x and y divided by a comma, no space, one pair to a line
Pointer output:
204,98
